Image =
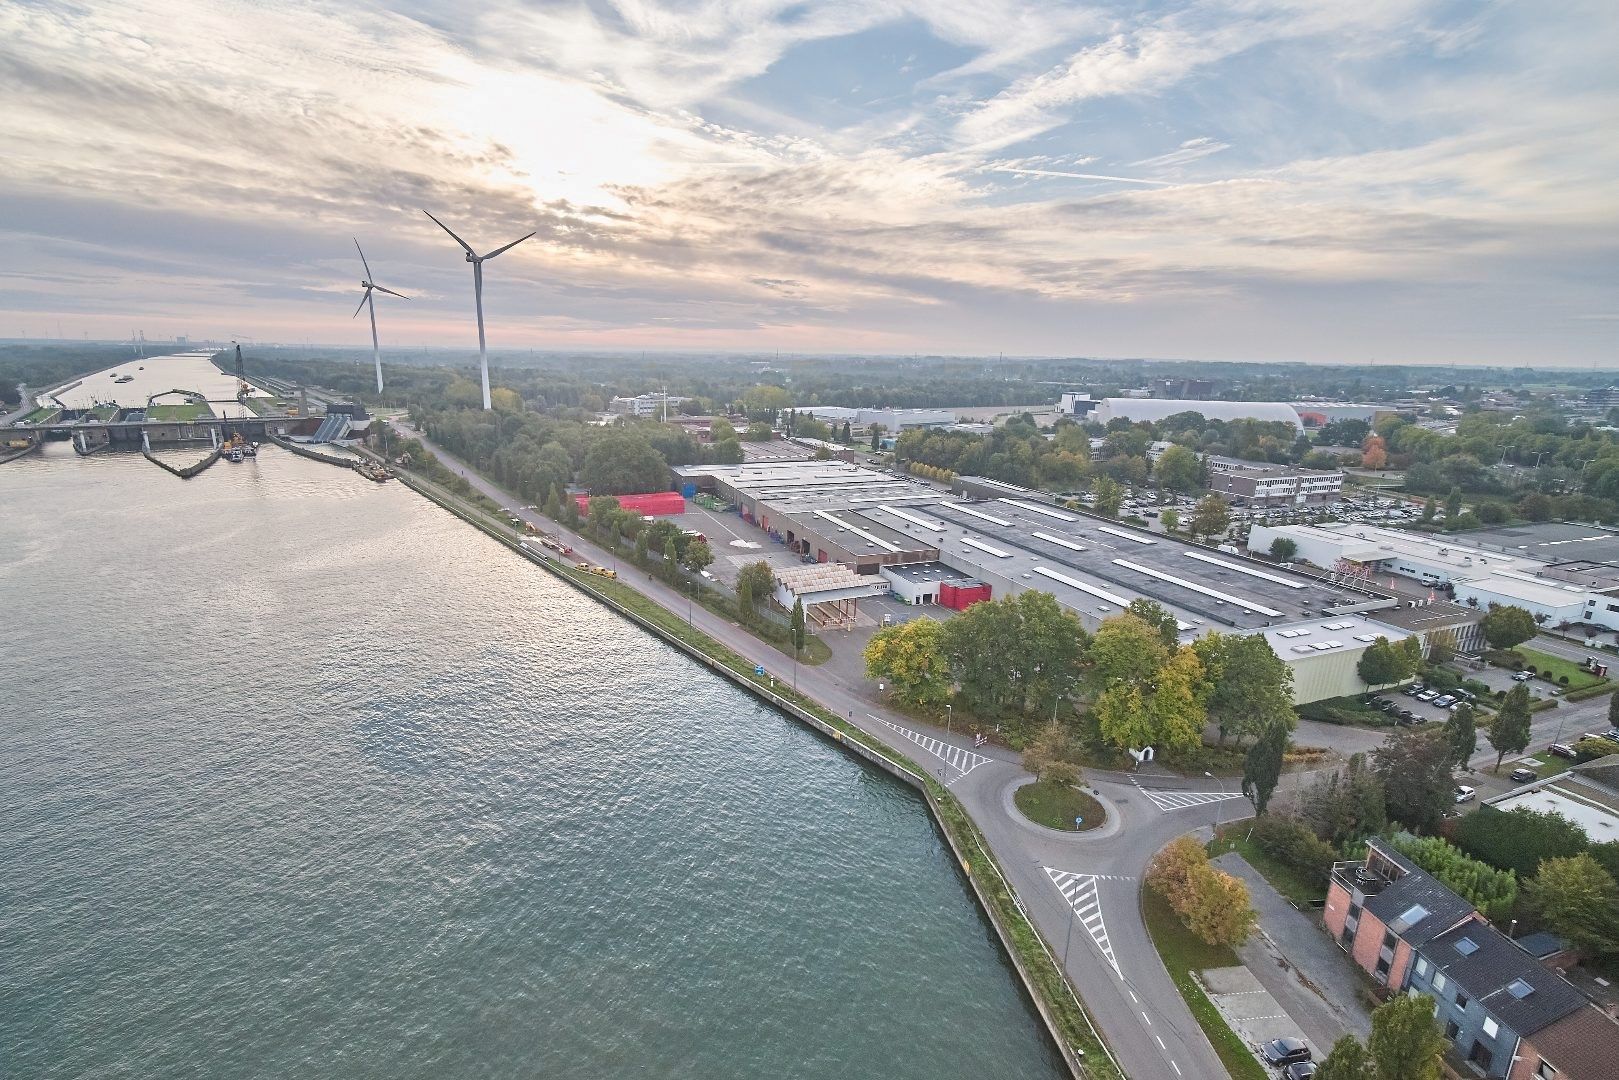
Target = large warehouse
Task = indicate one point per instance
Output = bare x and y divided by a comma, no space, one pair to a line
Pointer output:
1577,593
1152,410
928,545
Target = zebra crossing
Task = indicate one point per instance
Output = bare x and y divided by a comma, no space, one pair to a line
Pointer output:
963,761
1166,799
1080,890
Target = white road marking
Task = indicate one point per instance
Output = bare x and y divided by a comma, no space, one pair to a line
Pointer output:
1174,1066
1166,799
964,761
1080,890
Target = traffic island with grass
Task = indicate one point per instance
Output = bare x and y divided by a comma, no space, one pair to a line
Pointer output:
1059,806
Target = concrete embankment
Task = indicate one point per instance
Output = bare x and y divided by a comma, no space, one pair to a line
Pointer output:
13,453
368,465
995,896
186,473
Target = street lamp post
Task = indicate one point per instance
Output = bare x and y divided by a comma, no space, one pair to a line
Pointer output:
949,715
1219,804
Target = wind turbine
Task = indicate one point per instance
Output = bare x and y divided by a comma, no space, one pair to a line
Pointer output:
477,262
366,301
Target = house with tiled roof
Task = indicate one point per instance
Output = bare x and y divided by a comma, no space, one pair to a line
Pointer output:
1504,1012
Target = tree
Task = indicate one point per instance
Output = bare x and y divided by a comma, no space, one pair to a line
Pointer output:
1506,626
1419,784
1579,900
727,451
1153,614
671,557
798,626
698,556
1171,519
1508,729
1249,688
1216,907
1108,496
1453,504
1213,904
1211,516
1405,1042
1374,453
1282,549
1520,839
1348,1060
910,660
1383,663
1429,509
1461,732
641,547
876,431
623,463
1346,805
758,580
1492,891
1262,768
1613,711
721,429
1176,469
759,431
1051,756
553,504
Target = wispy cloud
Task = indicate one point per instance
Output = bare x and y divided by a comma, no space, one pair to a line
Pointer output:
1204,177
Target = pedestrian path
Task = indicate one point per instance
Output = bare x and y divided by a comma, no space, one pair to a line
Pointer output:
1080,890
963,761
1167,799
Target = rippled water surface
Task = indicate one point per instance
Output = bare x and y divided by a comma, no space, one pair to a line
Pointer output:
301,777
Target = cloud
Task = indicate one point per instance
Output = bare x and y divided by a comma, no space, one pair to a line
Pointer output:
1171,179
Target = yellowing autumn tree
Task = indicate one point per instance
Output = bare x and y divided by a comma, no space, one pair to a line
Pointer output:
910,660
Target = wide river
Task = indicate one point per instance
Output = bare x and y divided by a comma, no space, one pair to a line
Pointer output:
302,777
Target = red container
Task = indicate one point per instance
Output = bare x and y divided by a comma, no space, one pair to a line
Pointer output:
652,504
960,595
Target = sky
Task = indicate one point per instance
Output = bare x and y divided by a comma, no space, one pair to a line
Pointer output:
1376,181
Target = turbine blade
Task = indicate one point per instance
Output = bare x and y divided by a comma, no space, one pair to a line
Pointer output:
362,259
508,247
454,237
390,292
364,297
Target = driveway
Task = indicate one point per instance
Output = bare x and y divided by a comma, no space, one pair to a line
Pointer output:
1294,959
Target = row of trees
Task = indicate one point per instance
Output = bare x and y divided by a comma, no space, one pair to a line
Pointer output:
1026,655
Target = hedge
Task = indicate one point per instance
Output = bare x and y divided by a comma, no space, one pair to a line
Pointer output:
1589,692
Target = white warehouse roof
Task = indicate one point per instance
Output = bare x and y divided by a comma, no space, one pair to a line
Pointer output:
1154,409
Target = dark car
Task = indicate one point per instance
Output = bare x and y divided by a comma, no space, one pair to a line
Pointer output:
1523,775
1280,1052
1563,750
1299,1070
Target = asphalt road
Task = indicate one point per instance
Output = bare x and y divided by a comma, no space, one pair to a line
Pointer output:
1116,969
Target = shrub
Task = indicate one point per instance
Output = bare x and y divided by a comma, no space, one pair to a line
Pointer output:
1290,841
1491,890
1518,840
1563,679
1591,749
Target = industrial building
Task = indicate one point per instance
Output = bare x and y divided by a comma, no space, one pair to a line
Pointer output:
860,421
1075,404
1587,795
1579,593
646,405
1152,410
928,548
1265,483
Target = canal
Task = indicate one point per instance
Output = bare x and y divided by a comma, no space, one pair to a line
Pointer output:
302,777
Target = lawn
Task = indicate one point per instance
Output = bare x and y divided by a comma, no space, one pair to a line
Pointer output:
1300,890
1184,953
1057,805
188,411
1577,678
42,414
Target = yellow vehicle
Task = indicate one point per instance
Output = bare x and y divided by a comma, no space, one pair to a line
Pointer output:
599,571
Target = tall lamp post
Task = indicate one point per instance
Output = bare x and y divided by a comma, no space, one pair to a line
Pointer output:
949,715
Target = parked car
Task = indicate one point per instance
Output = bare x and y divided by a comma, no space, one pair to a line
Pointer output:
1413,690
1299,1070
1562,750
1444,701
1523,775
1428,695
1464,793
1522,676
1282,1052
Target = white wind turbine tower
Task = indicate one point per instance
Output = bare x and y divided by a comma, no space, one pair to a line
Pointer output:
477,262
367,301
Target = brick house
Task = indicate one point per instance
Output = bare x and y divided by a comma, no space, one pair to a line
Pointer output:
1506,1014
1383,908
